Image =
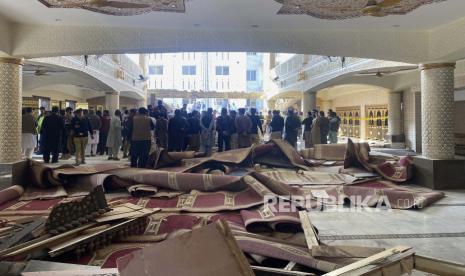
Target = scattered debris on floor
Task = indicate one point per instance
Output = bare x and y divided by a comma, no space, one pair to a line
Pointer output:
241,212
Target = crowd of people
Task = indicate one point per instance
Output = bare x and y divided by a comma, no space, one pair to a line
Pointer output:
138,132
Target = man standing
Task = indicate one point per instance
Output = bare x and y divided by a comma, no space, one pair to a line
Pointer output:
105,127
223,127
141,138
233,138
160,108
316,128
40,120
292,127
324,128
161,130
307,123
184,111
28,133
51,131
127,125
67,143
256,125
268,118
334,123
277,125
114,139
96,124
81,130
193,131
243,127
207,125
177,127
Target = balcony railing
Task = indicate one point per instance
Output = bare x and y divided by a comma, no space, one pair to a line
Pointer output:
300,68
117,71
120,67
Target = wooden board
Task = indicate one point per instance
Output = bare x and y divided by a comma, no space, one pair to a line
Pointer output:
25,230
42,242
309,231
270,271
369,260
440,267
126,211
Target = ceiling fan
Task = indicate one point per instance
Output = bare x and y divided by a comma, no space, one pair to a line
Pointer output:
42,71
381,74
107,3
374,8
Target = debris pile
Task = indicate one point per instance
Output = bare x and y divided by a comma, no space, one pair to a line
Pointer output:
242,212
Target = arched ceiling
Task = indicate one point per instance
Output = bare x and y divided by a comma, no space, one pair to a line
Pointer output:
332,92
432,32
391,78
67,81
65,76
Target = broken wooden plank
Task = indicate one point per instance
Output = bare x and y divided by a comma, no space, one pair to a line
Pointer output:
21,234
270,271
92,240
290,266
126,212
344,251
42,242
398,264
310,233
436,266
369,260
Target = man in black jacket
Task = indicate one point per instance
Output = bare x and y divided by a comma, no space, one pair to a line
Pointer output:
177,128
52,131
292,126
256,125
277,125
81,130
224,127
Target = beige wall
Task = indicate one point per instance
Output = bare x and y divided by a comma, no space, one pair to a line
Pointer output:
361,99
124,102
460,117
53,95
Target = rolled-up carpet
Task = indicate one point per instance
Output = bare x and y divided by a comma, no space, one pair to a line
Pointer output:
10,193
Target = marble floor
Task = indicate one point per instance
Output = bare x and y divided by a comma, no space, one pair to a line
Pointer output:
437,231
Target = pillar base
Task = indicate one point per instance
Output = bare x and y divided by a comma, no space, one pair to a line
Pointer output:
13,173
397,141
439,174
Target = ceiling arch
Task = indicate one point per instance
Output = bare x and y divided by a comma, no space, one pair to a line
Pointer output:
332,92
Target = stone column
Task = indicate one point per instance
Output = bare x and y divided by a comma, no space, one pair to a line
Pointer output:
10,109
395,132
143,64
437,110
308,101
272,60
112,101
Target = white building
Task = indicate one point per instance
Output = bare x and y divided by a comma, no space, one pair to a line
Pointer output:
216,71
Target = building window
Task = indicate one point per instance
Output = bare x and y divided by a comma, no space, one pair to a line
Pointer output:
189,70
222,70
251,75
251,53
156,70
